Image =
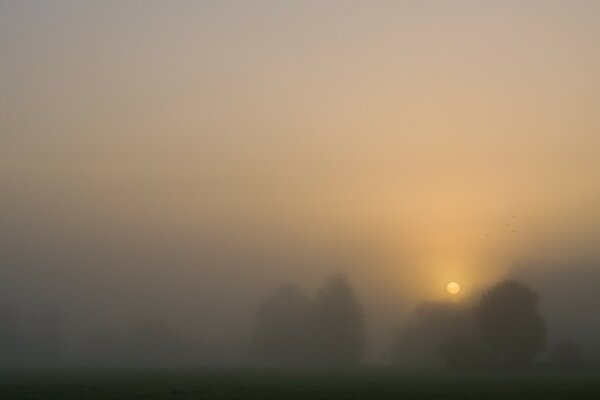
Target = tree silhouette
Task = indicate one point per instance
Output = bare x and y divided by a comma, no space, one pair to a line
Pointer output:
282,324
463,351
510,324
569,354
339,325
436,332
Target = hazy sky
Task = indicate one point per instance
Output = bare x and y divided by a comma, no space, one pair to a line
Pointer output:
134,135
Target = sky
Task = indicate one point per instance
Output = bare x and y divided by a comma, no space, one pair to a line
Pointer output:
162,156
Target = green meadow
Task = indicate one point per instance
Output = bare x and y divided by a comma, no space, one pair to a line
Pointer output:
368,383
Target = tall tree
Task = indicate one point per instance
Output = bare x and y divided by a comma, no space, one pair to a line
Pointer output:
339,325
282,327
510,324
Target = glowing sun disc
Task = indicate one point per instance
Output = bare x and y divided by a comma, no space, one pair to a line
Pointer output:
453,288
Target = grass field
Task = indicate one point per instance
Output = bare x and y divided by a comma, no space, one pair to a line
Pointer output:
296,384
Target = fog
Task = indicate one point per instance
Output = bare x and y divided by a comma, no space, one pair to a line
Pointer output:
165,168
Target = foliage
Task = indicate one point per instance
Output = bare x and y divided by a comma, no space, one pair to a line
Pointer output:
281,323
436,332
293,329
569,354
510,324
339,326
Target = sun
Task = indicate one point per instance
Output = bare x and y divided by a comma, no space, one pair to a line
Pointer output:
453,288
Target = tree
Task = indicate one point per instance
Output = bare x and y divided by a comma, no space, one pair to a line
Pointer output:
569,354
282,324
292,329
436,332
339,325
510,324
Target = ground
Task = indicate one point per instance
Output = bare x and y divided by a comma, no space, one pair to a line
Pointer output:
228,384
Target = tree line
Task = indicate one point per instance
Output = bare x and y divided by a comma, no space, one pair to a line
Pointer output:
504,329
293,329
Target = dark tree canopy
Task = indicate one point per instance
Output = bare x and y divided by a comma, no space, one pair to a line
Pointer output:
292,329
339,324
436,332
510,324
282,320
569,354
